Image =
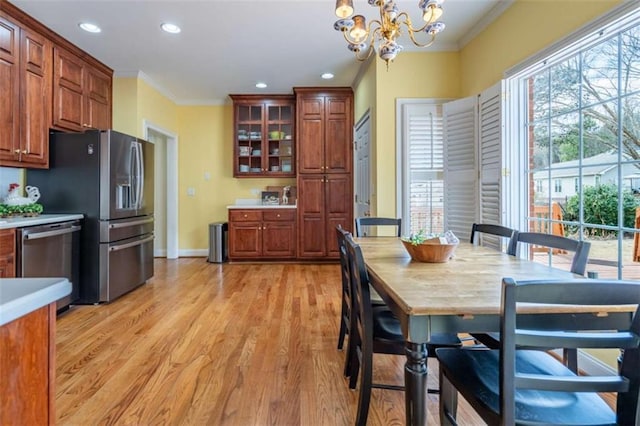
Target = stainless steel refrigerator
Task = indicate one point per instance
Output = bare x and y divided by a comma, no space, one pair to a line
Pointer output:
108,177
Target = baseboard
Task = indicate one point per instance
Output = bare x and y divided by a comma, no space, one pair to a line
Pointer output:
193,253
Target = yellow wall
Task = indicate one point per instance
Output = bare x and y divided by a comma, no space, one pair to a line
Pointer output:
524,29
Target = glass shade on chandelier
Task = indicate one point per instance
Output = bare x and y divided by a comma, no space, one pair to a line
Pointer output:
380,35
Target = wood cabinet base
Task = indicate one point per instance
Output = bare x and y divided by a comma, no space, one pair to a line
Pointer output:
27,368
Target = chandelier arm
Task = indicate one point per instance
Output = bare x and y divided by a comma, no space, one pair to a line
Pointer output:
365,57
427,44
409,24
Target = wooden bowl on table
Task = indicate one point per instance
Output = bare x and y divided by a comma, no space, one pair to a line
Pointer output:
430,251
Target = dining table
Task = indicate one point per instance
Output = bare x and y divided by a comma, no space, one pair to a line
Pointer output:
462,295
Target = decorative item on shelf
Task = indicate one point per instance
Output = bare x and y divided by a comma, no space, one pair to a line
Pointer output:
256,152
431,248
17,205
275,151
270,198
286,191
275,168
244,168
276,134
361,37
244,151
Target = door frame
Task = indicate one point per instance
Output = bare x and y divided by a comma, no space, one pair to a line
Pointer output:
362,121
172,185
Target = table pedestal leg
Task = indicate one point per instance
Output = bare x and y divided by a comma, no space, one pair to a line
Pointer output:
415,381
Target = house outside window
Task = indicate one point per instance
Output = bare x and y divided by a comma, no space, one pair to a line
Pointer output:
580,107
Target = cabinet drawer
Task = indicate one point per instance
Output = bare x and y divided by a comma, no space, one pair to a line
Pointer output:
245,216
279,215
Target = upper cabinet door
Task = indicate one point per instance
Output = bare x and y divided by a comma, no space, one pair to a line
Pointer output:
9,87
35,70
67,90
338,135
311,134
98,99
325,131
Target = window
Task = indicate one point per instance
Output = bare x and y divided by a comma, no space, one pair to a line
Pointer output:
558,186
580,108
421,167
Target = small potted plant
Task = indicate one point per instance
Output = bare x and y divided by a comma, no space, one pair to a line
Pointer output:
431,248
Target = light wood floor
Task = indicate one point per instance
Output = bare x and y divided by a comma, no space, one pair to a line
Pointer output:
208,344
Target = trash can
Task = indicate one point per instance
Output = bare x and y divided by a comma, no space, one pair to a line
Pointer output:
218,242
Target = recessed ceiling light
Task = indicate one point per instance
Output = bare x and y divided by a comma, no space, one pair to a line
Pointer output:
89,27
327,76
261,85
170,28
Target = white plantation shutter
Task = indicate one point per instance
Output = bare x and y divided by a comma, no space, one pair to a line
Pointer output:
460,170
491,123
422,168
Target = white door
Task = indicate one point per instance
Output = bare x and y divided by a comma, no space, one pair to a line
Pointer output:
362,167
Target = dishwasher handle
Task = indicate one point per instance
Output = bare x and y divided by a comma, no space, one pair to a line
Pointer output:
61,231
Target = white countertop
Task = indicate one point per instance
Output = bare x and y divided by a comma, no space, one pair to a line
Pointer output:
19,222
21,296
260,206
253,203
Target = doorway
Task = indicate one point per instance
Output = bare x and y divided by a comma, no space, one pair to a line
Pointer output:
165,190
362,167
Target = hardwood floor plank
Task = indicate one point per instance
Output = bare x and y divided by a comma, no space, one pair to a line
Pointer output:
209,344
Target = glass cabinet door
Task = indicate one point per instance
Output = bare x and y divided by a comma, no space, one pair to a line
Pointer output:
280,131
264,136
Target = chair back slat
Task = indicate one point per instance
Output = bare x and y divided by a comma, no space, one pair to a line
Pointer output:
377,221
571,383
570,339
580,249
497,231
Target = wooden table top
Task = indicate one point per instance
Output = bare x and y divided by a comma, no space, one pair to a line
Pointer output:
468,284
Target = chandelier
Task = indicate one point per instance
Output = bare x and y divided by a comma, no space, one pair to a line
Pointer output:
361,37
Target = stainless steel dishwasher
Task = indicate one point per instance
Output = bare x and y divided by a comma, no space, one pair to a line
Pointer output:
51,250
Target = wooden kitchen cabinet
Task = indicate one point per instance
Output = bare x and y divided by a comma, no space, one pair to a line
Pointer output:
81,93
7,253
25,82
27,368
262,234
263,136
324,201
325,130
325,184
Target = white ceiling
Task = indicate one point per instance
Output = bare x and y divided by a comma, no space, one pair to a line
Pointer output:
227,46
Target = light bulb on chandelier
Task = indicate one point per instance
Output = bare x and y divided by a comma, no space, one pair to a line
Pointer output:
361,38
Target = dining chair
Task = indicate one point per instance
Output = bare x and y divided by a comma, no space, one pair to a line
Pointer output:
511,386
345,315
580,251
375,330
377,221
491,229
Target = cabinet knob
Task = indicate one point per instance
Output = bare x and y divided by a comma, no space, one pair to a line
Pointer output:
16,151
25,151
245,215
86,125
278,215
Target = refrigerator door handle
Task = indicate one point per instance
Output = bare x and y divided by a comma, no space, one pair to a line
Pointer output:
131,244
132,174
131,223
140,175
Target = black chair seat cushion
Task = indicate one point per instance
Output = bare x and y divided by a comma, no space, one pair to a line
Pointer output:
386,326
477,372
